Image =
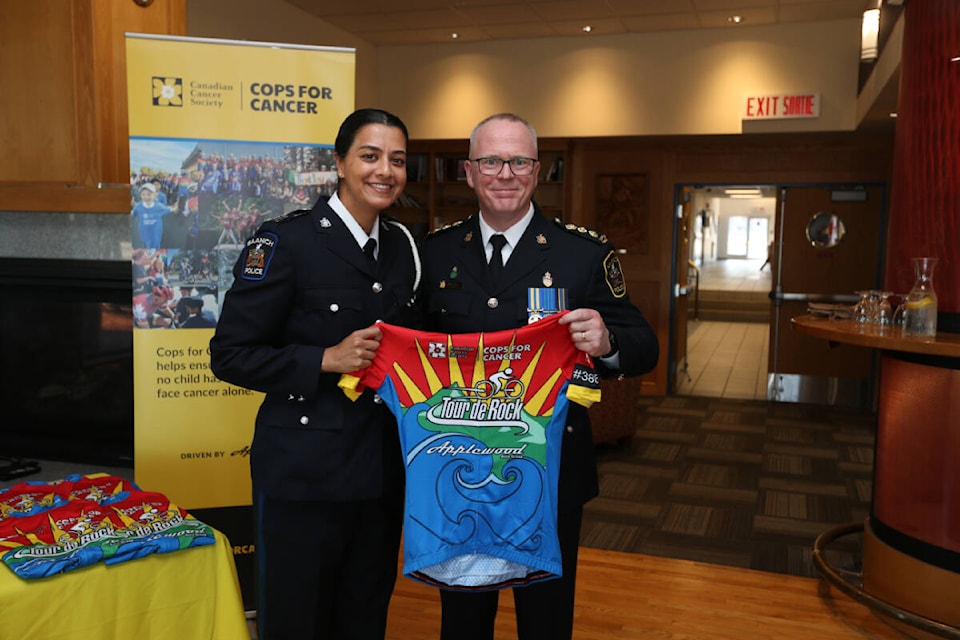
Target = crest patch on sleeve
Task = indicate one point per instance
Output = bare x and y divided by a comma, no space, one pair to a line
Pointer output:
613,274
257,255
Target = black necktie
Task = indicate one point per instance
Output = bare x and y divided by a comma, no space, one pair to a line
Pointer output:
496,260
370,249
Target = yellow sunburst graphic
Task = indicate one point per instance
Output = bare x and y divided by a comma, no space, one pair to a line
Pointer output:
467,374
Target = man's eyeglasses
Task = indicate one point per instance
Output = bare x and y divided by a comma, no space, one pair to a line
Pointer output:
492,165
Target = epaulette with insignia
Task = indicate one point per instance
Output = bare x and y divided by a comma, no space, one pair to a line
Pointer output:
599,238
446,227
291,215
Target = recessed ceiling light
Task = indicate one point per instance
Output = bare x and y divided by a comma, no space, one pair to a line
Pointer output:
587,29
735,19
454,35
955,59
893,115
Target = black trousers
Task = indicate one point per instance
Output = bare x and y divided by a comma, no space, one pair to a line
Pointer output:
325,570
544,609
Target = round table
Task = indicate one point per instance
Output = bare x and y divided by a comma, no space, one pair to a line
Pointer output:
911,540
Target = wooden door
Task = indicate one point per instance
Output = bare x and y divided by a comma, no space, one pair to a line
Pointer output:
805,369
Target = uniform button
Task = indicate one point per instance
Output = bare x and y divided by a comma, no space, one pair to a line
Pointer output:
493,303
377,399
300,399
290,397
569,428
334,307
377,287
304,420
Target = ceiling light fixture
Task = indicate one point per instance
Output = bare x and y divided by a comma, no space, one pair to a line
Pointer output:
869,34
746,191
587,29
454,35
735,19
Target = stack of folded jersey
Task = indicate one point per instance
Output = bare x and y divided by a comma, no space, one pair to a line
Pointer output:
47,528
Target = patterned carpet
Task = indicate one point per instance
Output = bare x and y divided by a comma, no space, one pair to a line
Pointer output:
735,482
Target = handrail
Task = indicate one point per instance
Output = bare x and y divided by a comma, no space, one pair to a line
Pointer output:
696,289
856,591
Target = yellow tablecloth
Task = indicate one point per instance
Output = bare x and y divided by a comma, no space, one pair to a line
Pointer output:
191,594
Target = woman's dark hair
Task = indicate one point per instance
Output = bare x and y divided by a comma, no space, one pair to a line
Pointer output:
359,119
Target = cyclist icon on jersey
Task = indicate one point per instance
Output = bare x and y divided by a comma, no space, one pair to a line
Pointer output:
501,383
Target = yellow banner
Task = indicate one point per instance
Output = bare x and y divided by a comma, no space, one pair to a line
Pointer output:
223,135
193,432
237,91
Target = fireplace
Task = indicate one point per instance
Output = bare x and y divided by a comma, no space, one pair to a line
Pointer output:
67,378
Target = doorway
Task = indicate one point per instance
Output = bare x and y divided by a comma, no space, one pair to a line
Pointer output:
734,300
727,293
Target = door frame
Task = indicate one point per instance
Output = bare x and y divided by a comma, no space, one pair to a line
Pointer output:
679,287
678,302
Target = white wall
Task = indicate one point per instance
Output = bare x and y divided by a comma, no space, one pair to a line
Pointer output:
679,82
282,22
749,208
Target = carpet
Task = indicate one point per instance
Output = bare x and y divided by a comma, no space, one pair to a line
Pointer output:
735,482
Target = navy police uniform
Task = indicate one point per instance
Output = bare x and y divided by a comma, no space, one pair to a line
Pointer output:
318,460
458,296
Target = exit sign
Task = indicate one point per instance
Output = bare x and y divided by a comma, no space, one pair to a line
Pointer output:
782,105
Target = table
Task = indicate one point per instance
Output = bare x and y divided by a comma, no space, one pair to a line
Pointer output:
911,540
191,594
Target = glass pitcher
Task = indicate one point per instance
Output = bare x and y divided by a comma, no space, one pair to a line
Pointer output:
920,305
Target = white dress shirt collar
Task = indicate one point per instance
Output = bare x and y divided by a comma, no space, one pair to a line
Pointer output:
353,226
513,235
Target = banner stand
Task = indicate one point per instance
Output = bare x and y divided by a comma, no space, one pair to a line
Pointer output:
223,135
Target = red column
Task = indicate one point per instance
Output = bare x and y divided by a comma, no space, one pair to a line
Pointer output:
925,191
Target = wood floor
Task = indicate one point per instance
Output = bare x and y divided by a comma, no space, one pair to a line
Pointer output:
634,596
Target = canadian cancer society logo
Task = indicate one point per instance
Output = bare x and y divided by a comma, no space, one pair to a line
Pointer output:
167,92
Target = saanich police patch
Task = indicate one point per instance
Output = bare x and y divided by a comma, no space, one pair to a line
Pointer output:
257,255
613,274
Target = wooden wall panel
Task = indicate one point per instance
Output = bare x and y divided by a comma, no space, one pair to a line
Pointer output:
925,196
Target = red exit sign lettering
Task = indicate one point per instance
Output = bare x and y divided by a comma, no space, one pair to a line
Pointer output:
784,105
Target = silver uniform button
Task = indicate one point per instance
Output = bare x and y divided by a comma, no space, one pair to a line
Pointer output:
304,420
334,307
569,428
377,399
377,287
493,303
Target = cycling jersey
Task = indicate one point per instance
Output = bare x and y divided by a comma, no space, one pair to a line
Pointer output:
481,419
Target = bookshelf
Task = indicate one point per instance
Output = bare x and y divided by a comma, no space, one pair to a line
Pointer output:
437,192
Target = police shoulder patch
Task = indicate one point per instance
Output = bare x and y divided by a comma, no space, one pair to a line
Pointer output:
613,275
257,254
